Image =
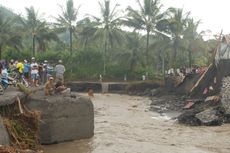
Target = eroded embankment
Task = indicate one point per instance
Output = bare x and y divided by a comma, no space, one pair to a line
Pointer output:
35,119
19,126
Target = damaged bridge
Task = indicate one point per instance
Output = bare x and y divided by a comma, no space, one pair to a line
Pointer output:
56,118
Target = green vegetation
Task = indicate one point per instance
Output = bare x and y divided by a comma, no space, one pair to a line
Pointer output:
156,40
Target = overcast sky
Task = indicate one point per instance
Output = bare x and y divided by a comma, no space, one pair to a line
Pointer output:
213,13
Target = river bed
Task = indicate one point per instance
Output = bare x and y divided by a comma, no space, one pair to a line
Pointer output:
124,124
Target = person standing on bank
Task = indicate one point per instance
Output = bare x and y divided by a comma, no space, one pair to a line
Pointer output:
26,69
34,72
20,70
59,70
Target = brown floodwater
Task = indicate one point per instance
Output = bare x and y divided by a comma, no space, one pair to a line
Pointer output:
123,124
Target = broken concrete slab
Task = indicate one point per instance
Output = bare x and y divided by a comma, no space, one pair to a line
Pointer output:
64,118
209,112
12,93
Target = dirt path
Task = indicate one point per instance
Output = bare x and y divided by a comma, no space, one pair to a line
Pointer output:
123,124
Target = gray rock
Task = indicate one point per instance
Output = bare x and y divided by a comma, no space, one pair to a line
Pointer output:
225,94
4,137
209,117
64,118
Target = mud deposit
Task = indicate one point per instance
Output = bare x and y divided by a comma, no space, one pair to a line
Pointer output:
124,124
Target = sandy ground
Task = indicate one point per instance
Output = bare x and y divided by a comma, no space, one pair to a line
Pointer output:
124,124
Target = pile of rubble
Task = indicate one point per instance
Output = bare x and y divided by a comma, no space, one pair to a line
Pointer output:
213,110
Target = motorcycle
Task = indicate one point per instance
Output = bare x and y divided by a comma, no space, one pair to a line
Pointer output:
16,78
1,87
4,83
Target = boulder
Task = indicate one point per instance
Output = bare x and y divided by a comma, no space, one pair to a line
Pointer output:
4,137
63,117
206,112
210,117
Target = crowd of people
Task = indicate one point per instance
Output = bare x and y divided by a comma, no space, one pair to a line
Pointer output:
34,74
183,71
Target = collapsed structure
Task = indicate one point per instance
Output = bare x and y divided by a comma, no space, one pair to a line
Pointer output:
210,103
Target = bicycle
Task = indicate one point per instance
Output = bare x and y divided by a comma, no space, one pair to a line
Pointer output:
18,78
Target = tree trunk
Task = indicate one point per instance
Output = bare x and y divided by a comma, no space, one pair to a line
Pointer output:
163,64
33,45
147,49
190,57
0,51
71,40
133,60
86,44
175,51
104,58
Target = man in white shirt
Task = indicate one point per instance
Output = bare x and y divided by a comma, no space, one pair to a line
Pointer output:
59,70
34,72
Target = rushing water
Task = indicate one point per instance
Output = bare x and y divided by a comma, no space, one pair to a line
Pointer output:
123,124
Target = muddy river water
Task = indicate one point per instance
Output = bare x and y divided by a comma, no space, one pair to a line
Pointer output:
123,124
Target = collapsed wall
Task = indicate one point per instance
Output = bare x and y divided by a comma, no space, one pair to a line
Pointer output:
212,77
63,117
214,108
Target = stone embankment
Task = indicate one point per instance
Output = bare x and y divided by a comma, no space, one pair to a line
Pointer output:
133,88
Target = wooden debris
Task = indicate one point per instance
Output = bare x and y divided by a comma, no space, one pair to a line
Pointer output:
22,126
7,149
19,105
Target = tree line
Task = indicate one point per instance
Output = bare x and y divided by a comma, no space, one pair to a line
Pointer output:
155,41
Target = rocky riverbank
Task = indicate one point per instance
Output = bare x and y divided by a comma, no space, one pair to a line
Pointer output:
206,110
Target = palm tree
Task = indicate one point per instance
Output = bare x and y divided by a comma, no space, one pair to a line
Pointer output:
85,31
108,28
44,36
177,23
67,20
192,37
32,24
38,29
146,18
134,45
161,45
8,36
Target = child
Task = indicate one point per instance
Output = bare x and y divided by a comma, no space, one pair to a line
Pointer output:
49,87
90,92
